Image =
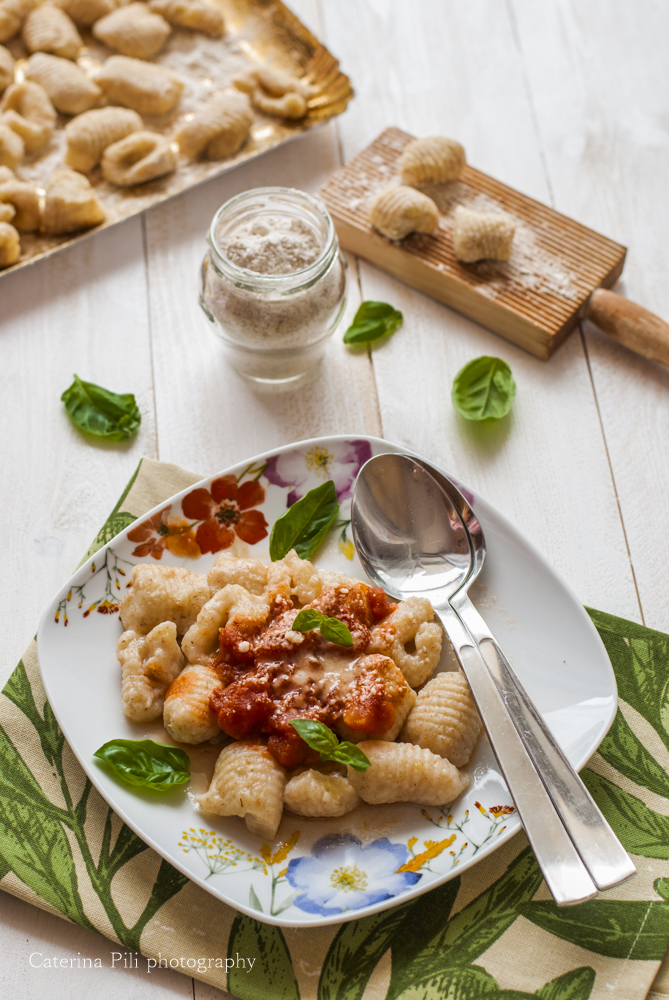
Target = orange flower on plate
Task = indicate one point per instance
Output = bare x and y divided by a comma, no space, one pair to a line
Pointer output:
158,534
226,512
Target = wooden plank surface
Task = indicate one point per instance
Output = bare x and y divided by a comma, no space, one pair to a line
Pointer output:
565,101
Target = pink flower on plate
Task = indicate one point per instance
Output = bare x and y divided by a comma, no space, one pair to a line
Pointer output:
339,461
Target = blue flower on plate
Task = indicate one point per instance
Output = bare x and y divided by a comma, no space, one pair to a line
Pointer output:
341,874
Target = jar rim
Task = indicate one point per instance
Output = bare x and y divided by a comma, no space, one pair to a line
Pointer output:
255,280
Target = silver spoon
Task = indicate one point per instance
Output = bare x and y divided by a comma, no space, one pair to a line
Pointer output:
412,541
601,851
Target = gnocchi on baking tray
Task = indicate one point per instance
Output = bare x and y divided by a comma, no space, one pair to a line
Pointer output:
90,72
217,656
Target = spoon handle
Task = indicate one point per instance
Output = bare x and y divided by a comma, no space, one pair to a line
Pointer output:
602,853
565,874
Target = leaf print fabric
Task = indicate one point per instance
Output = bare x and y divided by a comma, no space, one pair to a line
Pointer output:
457,942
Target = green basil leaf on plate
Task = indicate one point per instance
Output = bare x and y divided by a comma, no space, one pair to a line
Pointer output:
319,737
146,764
332,629
484,390
102,413
305,524
372,322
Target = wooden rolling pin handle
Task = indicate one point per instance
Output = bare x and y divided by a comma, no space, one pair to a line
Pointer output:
631,325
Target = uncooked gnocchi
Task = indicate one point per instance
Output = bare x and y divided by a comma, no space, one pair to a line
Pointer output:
445,719
198,15
431,161
275,92
140,157
70,204
133,30
88,135
401,210
10,245
49,29
144,87
24,199
482,235
7,212
12,147
6,67
68,87
12,15
87,12
218,129
27,109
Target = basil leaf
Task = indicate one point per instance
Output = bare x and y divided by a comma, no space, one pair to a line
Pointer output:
305,524
102,413
484,390
349,753
146,764
308,619
319,737
372,322
316,735
336,631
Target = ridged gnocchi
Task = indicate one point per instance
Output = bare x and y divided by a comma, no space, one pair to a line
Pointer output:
133,30
318,793
401,772
219,129
411,638
6,67
149,664
70,204
68,87
140,157
12,147
247,782
47,28
274,92
7,211
23,198
161,594
10,244
87,12
198,15
401,210
12,15
445,719
145,87
187,716
229,605
88,135
26,108
433,160
248,573
482,235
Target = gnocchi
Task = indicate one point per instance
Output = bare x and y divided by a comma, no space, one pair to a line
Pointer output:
233,604
320,793
160,594
411,638
47,28
247,782
482,235
12,15
7,212
133,31
248,573
10,246
144,87
431,161
89,134
26,108
23,198
149,663
219,129
445,719
275,92
401,772
187,715
12,147
140,157
70,204
401,210
6,67
87,12
68,87
199,15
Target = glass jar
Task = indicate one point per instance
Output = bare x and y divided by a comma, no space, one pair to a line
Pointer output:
275,326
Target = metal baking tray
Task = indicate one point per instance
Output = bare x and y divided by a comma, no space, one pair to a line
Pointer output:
258,31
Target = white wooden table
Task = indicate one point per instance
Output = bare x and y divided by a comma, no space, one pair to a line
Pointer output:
566,100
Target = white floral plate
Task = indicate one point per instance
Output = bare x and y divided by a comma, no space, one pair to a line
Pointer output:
317,871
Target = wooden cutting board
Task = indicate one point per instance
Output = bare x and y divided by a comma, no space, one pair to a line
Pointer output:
534,300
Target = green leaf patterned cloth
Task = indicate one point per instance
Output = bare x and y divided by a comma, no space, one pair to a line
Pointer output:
491,933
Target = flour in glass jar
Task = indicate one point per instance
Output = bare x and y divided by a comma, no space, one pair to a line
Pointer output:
274,244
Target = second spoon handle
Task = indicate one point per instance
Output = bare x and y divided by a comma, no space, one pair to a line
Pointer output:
566,875
601,851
